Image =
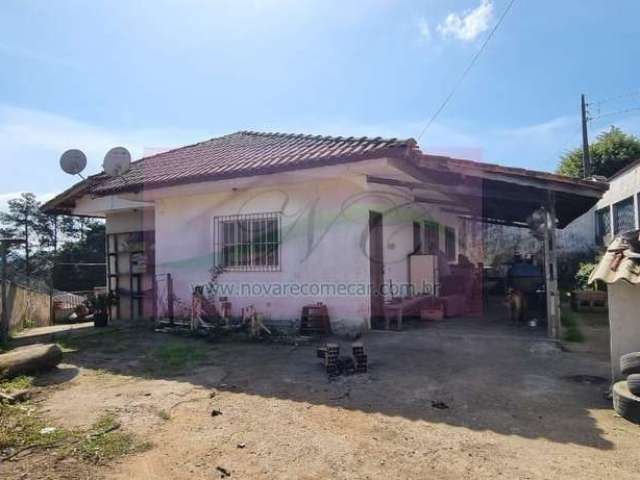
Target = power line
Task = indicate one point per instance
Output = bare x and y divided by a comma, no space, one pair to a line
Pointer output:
630,94
610,114
466,70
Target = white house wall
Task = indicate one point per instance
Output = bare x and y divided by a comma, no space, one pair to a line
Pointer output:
322,245
322,233
137,220
580,234
622,187
624,304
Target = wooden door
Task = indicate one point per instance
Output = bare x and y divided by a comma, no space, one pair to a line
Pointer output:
376,269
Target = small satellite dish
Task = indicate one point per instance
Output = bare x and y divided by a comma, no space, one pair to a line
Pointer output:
73,161
116,161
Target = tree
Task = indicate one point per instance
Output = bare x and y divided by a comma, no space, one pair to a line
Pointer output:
42,235
22,222
89,249
612,151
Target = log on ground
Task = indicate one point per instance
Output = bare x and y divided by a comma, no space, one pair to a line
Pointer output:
31,359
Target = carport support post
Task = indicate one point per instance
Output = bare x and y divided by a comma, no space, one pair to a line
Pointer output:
551,268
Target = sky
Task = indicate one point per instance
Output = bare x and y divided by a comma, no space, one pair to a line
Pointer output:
154,75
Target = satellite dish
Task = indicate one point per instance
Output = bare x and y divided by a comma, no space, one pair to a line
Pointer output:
116,161
73,161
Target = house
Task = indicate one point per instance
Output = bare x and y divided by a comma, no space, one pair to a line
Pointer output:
620,269
616,212
280,221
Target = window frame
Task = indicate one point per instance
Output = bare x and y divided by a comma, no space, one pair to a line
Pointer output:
433,227
614,214
600,232
451,243
246,250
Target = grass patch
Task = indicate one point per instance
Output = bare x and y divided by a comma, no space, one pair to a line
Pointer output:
176,356
22,429
107,341
106,441
16,384
164,415
570,323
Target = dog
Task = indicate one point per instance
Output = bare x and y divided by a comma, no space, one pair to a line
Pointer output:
516,304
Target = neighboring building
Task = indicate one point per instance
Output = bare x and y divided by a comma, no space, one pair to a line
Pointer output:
292,220
616,212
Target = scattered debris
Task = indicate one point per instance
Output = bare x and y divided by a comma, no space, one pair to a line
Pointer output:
223,472
215,412
439,405
48,430
15,397
255,321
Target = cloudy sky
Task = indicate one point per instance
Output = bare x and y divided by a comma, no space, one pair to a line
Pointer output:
159,74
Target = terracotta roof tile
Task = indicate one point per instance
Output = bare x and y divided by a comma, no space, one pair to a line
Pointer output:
249,153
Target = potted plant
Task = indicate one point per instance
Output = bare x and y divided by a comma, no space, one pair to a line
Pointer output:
101,304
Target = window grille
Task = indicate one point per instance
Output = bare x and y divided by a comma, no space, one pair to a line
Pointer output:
450,243
431,243
623,216
248,242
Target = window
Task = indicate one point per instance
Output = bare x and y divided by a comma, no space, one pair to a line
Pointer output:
623,216
248,242
463,235
450,243
603,225
417,244
431,243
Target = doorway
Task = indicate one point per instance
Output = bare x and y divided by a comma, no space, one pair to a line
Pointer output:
376,269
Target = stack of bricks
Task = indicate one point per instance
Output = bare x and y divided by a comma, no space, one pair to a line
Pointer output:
331,358
359,357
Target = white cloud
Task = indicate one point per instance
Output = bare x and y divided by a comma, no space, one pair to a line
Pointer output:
466,26
424,29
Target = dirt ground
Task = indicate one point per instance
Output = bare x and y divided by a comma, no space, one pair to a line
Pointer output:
458,400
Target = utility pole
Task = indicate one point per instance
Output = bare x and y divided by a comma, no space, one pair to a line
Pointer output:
586,158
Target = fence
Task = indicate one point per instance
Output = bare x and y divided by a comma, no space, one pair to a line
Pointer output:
27,307
30,306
